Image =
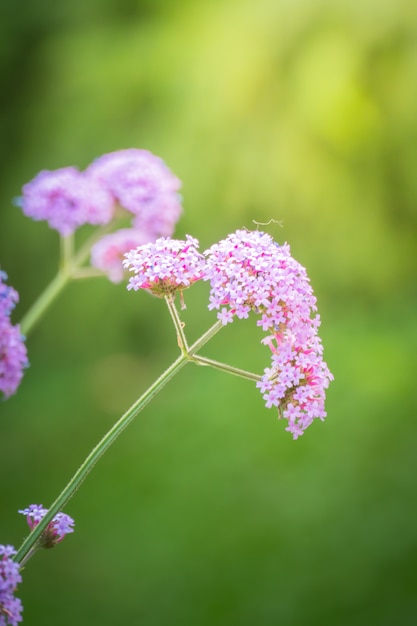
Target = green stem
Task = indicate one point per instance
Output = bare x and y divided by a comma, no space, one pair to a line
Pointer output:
43,302
108,439
69,266
179,325
230,369
53,289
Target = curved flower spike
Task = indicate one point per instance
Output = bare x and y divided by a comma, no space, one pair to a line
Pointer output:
249,272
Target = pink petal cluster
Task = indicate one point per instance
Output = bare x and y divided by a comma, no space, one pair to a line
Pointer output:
13,354
10,607
108,253
248,272
67,199
141,183
166,266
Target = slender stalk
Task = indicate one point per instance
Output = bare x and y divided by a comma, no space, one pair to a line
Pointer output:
69,266
179,325
53,289
43,302
108,439
230,369
202,360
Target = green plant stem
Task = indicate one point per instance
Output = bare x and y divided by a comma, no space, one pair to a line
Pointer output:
201,360
69,268
43,302
108,439
224,367
179,325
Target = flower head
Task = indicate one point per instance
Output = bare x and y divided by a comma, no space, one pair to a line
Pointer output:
67,198
248,271
166,266
143,185
10,607
56,530
13,354
108,253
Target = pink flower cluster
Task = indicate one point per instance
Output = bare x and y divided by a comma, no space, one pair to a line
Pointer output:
13,354
67,199
166,266
248,272
134,180
141,183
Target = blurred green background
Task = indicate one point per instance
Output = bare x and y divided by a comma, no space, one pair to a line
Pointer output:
205,511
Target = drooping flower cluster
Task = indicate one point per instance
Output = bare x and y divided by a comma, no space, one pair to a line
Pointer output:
248,271
166,266
13,354
134,180
56,530
10,606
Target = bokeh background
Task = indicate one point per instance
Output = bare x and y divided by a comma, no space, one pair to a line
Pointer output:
205,511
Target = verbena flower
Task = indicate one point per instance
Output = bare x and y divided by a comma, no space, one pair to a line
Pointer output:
13,354
166,266
108,253
10,606
248,272
67,199
142,184
56,530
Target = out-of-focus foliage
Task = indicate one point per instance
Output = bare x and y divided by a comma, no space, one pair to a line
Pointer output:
206,512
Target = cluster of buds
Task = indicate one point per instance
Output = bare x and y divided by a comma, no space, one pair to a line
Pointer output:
10,576
61,525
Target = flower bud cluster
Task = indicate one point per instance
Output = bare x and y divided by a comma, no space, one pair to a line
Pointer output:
56,530
13,354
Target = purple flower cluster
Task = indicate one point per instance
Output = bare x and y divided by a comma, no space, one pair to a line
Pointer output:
56,530
66,198
134,180
166,266
13,354
10,607
141,183
248,272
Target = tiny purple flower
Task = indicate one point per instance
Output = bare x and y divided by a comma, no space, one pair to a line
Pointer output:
56,530
13,354
10,607
67,198
166,266
143,185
